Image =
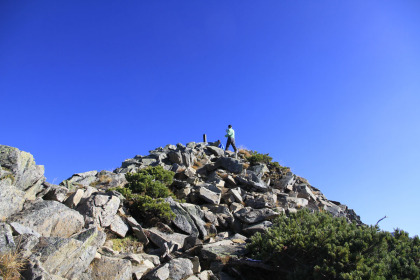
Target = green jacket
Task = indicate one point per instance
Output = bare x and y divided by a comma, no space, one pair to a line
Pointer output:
230,133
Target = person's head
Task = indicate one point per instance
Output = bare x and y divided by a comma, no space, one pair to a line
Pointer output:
218,141
229,126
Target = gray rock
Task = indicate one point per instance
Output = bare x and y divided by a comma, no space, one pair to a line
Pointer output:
91,237
118,226
305,192
27,176
216,151
210,194
85,178
111,268
260,227
50,218
237,194
160,238
64,257
224,248
182,219
73,200
297,202
176,269
7,242
11,199
99,209
140,270
197,216
57,193
260,169
230,164
21,229
286,183
251,216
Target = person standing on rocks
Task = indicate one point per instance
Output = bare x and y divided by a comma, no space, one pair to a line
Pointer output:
230,138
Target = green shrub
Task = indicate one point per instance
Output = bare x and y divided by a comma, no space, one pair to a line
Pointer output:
319,246
145,192
151,181
255,157
151,210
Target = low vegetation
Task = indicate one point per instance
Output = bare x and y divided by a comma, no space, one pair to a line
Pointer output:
127,244
255,157
145,193
319,246
11,264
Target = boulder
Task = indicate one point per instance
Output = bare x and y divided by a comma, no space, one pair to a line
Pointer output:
27,176
118,226
176,269
20,229
182,219
210,194
160,238
11,199
85,178
230,164
250,216
197,215
286,183
57,193
224,248
50,218
260,227
91,237
216,151
111,268
64,257
99,209
73,200
7,242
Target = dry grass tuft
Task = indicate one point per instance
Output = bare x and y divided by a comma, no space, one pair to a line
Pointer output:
244,152
11,264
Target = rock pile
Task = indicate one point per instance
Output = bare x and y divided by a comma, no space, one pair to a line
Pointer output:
69,231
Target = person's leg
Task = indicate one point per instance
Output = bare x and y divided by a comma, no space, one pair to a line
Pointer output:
227,144
233,144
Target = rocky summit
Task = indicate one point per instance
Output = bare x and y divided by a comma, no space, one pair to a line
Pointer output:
86,228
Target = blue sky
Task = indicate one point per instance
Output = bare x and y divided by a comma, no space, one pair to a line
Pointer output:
329,88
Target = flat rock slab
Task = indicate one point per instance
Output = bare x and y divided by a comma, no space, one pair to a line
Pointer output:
99,209
224,248
11,199
250,216
64,257
176,269
111,268
50,218
160,238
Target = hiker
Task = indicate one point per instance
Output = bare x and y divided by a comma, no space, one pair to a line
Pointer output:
220,145
230,138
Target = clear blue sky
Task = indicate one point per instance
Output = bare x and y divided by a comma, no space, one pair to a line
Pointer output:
329,88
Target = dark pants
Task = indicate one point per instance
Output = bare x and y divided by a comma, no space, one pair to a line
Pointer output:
230,141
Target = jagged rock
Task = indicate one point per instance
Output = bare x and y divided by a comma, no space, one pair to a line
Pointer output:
111,268
118,226
216,151
237,194
91,237
84,178
234,207
286,183
141,269
160,238
99,209
210,194
230,164
138,230
20,229
297,202
197,216
251,216
7,242
11,199
304,192
190,172
264,201
260,227
50,218
204,275
73,200
259,169
176,269
57,193
182,219
35,271
27,176
224,248
64,257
